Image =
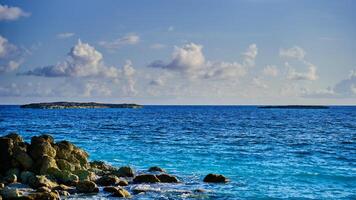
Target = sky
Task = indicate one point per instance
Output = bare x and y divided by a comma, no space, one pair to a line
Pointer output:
205,52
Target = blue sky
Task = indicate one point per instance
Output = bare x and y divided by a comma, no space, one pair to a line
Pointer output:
178,52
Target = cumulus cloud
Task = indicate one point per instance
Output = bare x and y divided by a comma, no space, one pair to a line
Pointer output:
294,52
83,61
129,39
8,13
343,89
270,70
190,60
11,56
129,72
65,35
310,75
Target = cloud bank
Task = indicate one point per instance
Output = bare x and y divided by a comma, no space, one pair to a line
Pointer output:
11,56
8,13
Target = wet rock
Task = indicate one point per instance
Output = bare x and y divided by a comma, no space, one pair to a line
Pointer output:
108,180
123,183
72,154
110,189
44,196
23,158
39,181
121,192
43,189
26,176
85,175
12,178
45,163
87,187
63,176
11,193
146,178
65,165
125,171
101,166
156,169
64,193
41,139
215,178
37,150
62,187
6,146
13,171
166,178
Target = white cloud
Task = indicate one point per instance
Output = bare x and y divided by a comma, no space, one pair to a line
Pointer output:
310,75
8,13
271,70
129,39
94,88
83,61
190,60
11,57
65,35
258,83
129,72
294,52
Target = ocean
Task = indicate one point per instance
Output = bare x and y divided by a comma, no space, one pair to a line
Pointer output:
266,153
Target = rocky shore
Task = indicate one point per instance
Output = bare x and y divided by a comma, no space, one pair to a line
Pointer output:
71,105
44,169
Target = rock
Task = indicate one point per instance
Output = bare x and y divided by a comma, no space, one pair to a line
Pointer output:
85,175
12,178
26,176
87,187
65,165
43,189
125,171
72,154
110,189
156,169
108,180
62,187
44,196
23,158
64,193
146,178
64,149
215,178
39,181
41,139
13,171
123,183
11,193
38,150
102,166
16,138
121,192
45,163
2,185
6,146
63,176
166,178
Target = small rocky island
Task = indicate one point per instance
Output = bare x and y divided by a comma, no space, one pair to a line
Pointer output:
296,107
70,105
47,170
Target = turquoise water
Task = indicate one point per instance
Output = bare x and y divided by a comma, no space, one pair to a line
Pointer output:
266,153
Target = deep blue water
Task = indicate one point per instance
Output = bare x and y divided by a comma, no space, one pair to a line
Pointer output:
267,153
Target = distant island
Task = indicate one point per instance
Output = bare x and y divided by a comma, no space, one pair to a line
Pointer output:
296,107
69,105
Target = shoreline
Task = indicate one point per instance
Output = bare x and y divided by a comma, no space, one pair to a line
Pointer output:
45,169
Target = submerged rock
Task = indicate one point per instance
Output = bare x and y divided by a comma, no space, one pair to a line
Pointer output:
87,187
156,169
166,178
146,178
215,178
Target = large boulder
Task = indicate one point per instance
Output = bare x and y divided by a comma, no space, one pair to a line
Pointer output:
156,169
125,171
74,155
85,175
6,146
65,165
45,163
23,158
146,178
215,178
63,176
166,178
16,138
26,176
107,180
39,149
120,192
39,181
87,187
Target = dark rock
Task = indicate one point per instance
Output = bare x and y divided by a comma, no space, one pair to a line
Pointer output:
63,193
156,169
110,189
65,165
215,178
39,181
38,150
42,138
6,146
108,180
23,158
125,171
121,192
146,178
166,178
87,187
74,155
62,187
16,138
11,193
123,183
43,189
45,196
12,178
85,175
13,171
45,163
26,176
63,176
